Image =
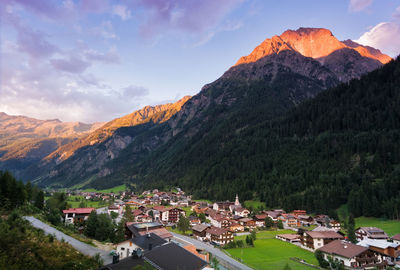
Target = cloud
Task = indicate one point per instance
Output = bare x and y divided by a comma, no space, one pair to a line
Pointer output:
190,16
121,11
45,81
396,14
134,91
104,30
44,92
358,5
384,36
73,64
110,57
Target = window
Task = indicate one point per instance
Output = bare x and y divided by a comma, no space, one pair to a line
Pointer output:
122,248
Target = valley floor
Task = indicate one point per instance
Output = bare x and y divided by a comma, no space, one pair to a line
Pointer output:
270,253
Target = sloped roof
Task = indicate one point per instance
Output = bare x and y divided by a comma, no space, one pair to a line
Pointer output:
325,234
79,210
217,231
396,237
199,227
343,248
145,241
172,257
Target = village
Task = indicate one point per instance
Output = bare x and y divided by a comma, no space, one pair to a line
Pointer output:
160,219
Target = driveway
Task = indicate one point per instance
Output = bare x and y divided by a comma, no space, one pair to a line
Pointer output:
221,256
82,247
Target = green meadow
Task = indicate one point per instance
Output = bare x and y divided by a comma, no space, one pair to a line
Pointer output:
270,253
391,227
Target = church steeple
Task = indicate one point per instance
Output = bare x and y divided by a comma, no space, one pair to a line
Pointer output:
237,200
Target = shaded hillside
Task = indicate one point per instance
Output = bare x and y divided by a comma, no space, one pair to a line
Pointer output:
282,75
85,157
25,141
341,147
279,74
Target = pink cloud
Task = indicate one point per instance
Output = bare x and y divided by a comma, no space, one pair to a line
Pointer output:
358,5
189,15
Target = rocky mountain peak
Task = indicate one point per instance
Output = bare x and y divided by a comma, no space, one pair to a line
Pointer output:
316,43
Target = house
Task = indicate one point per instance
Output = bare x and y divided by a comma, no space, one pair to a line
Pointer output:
236,227
351,255
315,240
199,231
396,238
240,211
289,220
299,212
76,215
171,215
291,238
370,233
321,220
386,251
220,236
335,225
248,223
219,221
205,256
200,208
222,206
305,220
143,242
114,208
260,220
133,230
160,258
194,220
274,214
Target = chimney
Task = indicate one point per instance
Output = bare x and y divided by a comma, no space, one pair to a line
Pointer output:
150,246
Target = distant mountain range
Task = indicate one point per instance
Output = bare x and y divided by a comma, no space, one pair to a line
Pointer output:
185,143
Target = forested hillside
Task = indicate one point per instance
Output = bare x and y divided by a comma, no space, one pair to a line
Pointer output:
21,245
343,146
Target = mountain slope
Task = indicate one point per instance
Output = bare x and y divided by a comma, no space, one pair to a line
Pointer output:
73,162
265,88
24,140
341,147
247,94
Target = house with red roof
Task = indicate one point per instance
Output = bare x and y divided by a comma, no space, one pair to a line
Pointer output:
76,215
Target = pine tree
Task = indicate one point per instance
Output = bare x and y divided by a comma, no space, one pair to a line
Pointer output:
269,222
28,188
183,224
39,200
350,230
128,215
91,225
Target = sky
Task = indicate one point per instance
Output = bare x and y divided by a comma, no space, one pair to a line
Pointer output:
95,60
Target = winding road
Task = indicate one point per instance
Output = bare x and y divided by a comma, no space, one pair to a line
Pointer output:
80,246
221,256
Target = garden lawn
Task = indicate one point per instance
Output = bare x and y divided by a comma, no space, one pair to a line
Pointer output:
273,254
88,203
391,227
254,204
265,234
109,190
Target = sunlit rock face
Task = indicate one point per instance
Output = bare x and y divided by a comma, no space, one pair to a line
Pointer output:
316,43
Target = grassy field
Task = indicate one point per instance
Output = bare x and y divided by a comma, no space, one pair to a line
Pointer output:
75,201
109,190
391,227
273,254
203,200
254,204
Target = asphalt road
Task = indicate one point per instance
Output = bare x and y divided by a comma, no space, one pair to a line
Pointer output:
214,251
82,247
